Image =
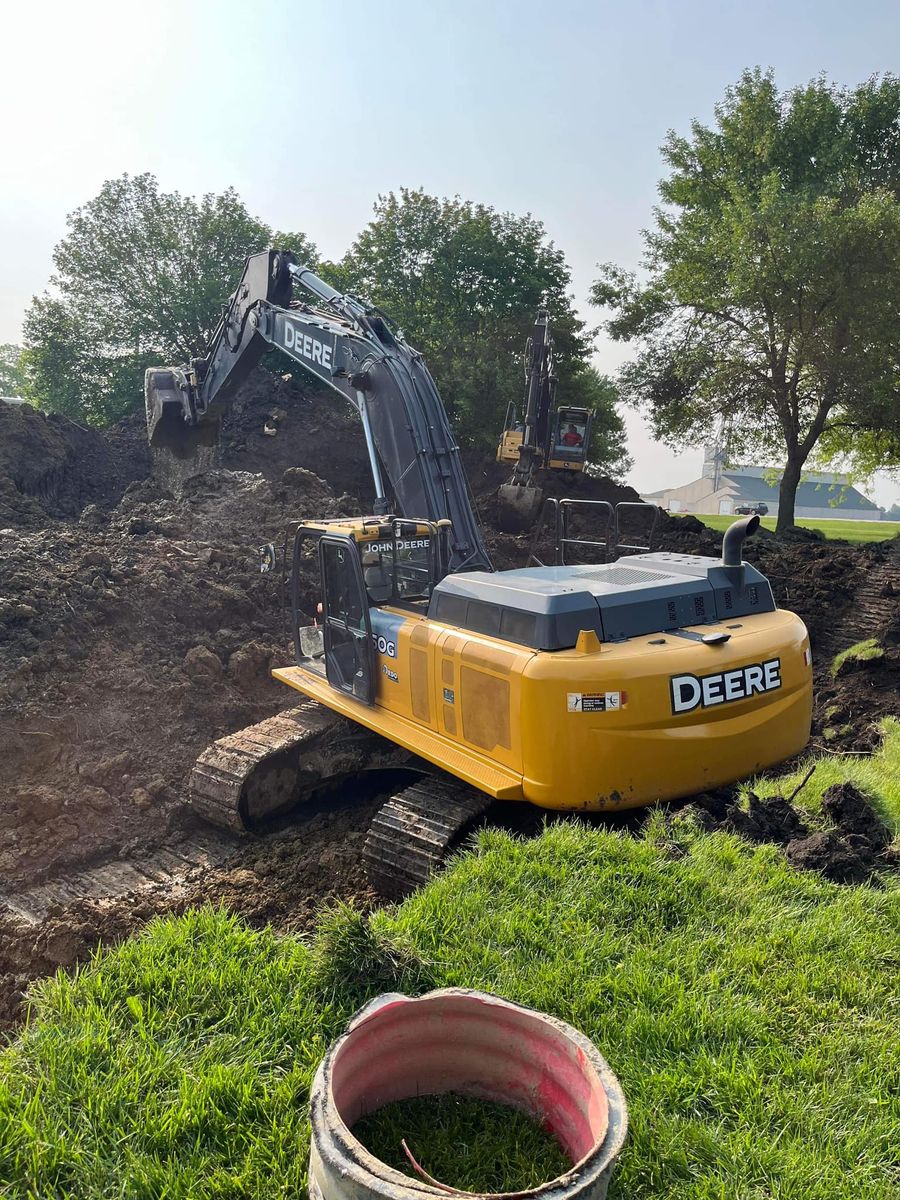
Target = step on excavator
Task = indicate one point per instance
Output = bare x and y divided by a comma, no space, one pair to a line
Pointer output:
582,688
542,439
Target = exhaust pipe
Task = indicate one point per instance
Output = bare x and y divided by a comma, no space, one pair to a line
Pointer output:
733,541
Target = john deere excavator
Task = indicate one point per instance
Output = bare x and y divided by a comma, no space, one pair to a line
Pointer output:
543,439
582,688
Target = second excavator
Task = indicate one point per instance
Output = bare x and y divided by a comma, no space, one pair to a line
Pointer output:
578,688
542,438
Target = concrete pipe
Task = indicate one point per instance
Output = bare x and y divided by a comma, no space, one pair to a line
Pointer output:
471,1043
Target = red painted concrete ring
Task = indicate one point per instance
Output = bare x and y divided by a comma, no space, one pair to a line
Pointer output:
478,1045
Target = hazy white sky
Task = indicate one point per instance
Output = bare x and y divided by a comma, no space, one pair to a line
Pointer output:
310,108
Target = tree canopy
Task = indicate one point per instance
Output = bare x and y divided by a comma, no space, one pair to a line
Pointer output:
12,379
140,280
464,282
141,277
772,286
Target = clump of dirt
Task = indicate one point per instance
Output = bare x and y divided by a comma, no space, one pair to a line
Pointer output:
858,845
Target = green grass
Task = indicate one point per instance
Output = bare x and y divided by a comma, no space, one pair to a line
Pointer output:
469,1144
878,775
860,652
847,531
750,1012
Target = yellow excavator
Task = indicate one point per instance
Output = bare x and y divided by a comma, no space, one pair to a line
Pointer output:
542,438
581,688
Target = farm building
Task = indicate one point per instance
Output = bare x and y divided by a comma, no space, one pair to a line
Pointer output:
721,489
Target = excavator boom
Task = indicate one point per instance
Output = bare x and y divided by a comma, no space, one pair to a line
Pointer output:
353,349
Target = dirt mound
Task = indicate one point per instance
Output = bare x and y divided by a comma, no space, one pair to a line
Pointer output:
127,643
51,467
852,852
850,706
275,424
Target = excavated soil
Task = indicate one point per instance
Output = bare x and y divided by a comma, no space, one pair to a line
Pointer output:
135,628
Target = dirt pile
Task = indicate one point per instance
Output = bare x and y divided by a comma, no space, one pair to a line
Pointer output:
51,467
852,702
135,628
855,846
127,643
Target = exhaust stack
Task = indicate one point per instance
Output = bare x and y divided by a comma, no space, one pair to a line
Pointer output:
733,541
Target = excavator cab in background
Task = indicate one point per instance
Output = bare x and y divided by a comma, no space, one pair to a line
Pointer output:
570,439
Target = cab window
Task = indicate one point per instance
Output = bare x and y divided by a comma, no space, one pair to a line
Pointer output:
570,435
398,569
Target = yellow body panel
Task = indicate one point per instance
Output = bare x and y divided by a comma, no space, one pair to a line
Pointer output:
508,450
502,717
559,464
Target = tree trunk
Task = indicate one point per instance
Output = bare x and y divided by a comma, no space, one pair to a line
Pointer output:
787,493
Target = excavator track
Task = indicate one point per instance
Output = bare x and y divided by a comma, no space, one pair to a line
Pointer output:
416,829
272,767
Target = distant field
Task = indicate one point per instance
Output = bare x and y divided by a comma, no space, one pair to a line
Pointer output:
847,531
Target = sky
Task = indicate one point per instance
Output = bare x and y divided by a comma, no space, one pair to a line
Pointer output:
311,108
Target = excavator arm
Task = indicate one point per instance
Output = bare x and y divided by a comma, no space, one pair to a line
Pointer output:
354,349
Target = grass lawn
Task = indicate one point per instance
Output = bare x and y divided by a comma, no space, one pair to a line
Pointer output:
848,531
751,1014
878,775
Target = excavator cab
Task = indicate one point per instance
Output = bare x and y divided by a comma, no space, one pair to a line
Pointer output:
364,566
570,439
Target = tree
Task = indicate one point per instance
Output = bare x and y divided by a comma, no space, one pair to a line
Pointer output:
464,282
141,277
772,287
608,451
12,380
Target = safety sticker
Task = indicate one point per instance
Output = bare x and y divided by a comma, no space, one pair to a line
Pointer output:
593,701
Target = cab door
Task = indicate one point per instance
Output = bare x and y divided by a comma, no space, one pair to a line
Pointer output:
349,653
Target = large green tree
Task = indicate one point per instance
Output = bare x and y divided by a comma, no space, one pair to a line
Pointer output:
464,283
141,277
771,299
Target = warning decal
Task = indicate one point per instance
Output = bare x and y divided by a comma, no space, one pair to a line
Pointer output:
593,701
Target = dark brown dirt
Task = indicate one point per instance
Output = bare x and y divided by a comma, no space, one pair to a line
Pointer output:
853,851
135,629
50,467
283,877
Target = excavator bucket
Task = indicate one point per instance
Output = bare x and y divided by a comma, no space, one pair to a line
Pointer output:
169,432
519,506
